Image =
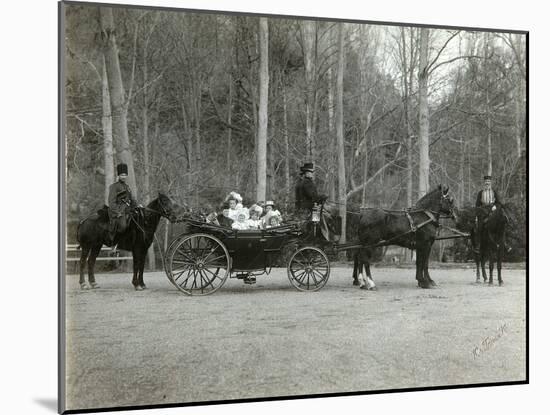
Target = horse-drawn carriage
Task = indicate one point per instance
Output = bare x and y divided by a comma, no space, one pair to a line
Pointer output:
199,262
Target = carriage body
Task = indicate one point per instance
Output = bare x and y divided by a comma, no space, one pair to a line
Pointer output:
199,261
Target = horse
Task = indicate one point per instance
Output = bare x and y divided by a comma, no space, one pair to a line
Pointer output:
415,228
93,232
492,242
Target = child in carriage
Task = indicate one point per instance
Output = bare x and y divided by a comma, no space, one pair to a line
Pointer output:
272,219
255,212
241,223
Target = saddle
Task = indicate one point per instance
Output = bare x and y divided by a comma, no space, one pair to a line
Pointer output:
103,214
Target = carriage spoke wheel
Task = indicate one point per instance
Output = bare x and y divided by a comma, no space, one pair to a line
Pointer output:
308,269
198,264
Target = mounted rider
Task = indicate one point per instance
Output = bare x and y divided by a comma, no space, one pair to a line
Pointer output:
487,201
121,202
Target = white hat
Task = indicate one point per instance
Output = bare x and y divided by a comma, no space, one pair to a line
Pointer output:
269,203
256,208
234,195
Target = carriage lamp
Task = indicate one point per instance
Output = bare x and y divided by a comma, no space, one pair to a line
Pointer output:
315,214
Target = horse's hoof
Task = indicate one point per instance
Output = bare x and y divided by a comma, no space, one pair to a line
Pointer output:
490,283
143,286
373,289
500,283
363,287
478,281
94,285
84,286
138,288
356,283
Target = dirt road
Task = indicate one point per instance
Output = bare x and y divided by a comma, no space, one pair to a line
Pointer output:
160,346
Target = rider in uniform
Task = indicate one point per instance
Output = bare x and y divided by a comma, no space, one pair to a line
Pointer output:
120,202
487,196
488,200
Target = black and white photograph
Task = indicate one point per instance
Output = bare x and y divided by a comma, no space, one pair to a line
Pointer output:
269,206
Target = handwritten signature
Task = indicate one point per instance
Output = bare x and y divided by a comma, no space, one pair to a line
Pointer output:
489,341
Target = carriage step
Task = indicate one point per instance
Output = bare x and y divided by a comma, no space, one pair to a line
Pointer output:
249,280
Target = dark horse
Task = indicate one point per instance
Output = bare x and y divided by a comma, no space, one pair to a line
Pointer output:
492,242
415,228
92,234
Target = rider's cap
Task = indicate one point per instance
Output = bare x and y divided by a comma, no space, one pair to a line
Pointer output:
121,169
486,177
307,167
269,203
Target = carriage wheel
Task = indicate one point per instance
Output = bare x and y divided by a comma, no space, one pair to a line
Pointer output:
198,264
308,269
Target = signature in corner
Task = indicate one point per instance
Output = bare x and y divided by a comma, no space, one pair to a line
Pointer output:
489,341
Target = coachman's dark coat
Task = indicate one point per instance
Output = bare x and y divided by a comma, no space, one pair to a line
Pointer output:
306,194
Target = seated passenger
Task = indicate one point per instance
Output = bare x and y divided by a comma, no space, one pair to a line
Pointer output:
272,219
242,220
254,221
269,206
234,200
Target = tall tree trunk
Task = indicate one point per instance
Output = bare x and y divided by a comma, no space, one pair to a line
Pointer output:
146,161
287,150
424,120
340,131
229,133
332,142
488,112
261,150
107,124
119,106
308,39
518,115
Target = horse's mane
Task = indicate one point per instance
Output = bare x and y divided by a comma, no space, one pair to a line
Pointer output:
425,200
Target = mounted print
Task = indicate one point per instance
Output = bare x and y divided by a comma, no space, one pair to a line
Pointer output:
256,207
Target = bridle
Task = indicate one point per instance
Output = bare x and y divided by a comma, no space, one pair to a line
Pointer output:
162,213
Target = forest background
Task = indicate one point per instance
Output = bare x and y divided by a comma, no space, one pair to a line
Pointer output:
199,104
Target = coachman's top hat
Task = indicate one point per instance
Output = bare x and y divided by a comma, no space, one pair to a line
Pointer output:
121,169
487,177
307,167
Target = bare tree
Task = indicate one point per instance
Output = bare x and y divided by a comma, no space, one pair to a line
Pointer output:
340,132
423,116
119,104
107,124
261,150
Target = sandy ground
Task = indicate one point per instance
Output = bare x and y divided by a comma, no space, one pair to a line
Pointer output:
161,346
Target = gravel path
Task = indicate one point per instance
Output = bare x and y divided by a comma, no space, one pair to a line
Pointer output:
160,346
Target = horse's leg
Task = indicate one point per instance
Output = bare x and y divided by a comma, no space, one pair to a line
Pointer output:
91,265
135,263
491,264
483,260
83,259
355,267
370,282
478,263
421,252
499,263
426,263
141,268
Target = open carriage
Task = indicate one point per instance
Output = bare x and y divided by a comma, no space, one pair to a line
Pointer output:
200,262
